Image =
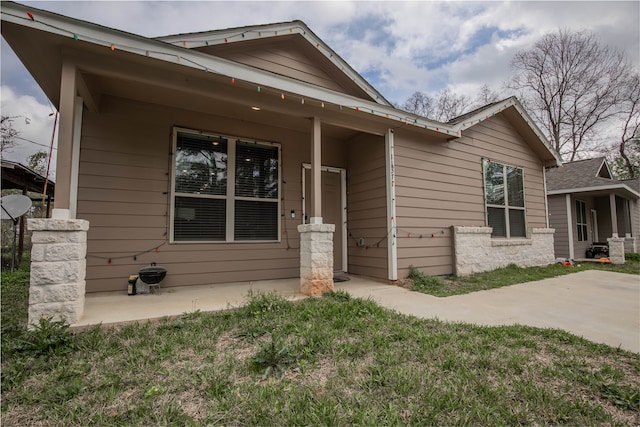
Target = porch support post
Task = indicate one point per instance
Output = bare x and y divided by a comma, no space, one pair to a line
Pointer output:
614,215
316,171
68,90
316,238
569,225
58,268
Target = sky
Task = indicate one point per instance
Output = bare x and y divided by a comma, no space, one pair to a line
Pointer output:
398,47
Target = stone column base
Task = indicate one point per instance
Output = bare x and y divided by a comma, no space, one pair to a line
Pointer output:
616,250
316,258
58,269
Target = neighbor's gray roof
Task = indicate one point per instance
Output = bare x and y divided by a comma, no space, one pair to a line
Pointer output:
584,174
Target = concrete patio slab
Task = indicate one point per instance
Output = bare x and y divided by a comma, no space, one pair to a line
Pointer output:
603,307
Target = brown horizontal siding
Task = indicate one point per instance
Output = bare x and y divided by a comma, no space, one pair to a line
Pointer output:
110,284
440,184
124,182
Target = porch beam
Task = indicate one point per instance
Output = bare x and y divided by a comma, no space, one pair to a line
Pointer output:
88,98
64,162
316,171
614,215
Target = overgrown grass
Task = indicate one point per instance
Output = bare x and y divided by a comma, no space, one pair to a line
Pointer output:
510,275
334,360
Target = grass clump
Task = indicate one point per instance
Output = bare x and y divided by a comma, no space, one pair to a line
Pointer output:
334,360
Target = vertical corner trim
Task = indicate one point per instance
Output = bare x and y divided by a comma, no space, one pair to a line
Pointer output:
392,247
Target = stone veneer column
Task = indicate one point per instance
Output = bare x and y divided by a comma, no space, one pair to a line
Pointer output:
616,250
58,269
316,258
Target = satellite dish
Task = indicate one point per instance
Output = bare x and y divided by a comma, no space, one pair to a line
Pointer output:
14,206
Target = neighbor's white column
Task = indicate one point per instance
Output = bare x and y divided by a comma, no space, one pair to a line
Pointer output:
616,250
58,269
316,258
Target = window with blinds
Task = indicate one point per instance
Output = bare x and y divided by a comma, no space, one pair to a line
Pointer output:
504,199
224,189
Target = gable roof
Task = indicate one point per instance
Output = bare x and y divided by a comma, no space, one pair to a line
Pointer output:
585,176
519,118
41,40
211,41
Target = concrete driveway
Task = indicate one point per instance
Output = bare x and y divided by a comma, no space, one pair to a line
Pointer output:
600,306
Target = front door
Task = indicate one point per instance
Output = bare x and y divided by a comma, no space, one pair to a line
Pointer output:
332,209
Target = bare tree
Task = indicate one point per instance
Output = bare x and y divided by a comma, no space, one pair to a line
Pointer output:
626,160
486,96
572,84
443,107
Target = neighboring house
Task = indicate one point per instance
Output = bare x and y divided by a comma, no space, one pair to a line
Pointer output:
207,152
587,205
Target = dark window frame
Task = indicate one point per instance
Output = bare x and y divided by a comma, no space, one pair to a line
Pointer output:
499,197
270,154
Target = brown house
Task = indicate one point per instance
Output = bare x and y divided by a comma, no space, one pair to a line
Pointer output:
226,156
587,205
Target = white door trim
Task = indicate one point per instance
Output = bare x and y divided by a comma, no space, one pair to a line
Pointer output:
343,206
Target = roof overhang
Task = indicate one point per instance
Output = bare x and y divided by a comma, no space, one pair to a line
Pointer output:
18,176
41,40
619,188
273,31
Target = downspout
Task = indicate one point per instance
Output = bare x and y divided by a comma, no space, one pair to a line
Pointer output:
392,248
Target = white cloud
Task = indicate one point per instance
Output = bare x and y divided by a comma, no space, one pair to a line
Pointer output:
401,46
34,123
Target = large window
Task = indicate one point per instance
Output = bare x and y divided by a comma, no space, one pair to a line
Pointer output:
224,189
581,220
504,198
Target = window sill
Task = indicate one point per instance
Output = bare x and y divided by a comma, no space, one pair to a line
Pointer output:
520,241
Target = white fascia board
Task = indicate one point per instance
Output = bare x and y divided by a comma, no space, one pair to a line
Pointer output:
587,189
256,32
499,107
139,45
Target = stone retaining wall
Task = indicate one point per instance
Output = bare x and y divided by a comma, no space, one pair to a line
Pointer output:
58,268
475,250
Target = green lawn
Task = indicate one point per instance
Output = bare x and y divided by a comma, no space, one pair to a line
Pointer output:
333,360
511,275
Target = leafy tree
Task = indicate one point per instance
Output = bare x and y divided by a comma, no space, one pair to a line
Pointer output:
572,85
37,162
7,134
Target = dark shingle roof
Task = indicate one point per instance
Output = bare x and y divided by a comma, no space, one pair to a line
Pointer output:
590,173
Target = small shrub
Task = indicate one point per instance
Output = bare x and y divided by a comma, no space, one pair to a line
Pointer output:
261,303
273,357
632,256
48,337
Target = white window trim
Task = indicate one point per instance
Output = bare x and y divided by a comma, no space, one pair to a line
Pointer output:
506,206
231,186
